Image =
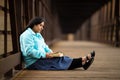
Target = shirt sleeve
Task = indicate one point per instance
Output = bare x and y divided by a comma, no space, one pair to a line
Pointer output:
47,49
27,48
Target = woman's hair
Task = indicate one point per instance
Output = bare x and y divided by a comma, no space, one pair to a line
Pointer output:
35,21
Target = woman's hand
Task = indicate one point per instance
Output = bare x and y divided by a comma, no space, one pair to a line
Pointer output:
48,55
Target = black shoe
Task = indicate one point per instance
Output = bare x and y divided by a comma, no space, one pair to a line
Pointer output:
92,54
88,63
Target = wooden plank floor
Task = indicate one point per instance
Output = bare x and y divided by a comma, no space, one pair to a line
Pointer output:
105,67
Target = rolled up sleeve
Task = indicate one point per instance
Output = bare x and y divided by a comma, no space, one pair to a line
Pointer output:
47,49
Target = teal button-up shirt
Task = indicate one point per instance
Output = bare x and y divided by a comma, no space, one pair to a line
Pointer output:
33,46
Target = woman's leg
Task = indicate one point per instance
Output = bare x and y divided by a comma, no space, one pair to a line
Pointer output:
58,63
52,63
84,62
76,63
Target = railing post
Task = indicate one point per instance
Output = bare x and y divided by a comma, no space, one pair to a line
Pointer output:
117,23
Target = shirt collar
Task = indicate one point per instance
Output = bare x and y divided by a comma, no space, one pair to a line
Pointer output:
32,32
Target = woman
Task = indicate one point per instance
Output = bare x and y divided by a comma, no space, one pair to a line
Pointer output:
36,52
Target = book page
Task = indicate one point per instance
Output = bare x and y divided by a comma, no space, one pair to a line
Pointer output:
57,54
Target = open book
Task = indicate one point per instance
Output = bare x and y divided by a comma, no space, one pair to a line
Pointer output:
57,54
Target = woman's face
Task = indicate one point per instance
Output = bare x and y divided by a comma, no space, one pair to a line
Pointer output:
38,28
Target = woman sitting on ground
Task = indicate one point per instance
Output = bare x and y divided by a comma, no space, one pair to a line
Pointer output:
37,54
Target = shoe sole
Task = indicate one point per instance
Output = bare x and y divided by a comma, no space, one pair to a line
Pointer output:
88,64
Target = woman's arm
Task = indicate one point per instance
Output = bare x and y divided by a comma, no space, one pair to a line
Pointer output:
47,49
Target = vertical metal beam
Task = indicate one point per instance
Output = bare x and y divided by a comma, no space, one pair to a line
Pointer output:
13,26
5,28
25,7
18,25
18,17
36,7
117,23
109,21
40,8
112,20
30,9
33,8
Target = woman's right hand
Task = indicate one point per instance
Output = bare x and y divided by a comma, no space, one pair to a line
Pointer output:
48,55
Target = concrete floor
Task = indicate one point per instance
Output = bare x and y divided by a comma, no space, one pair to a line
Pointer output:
106,65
